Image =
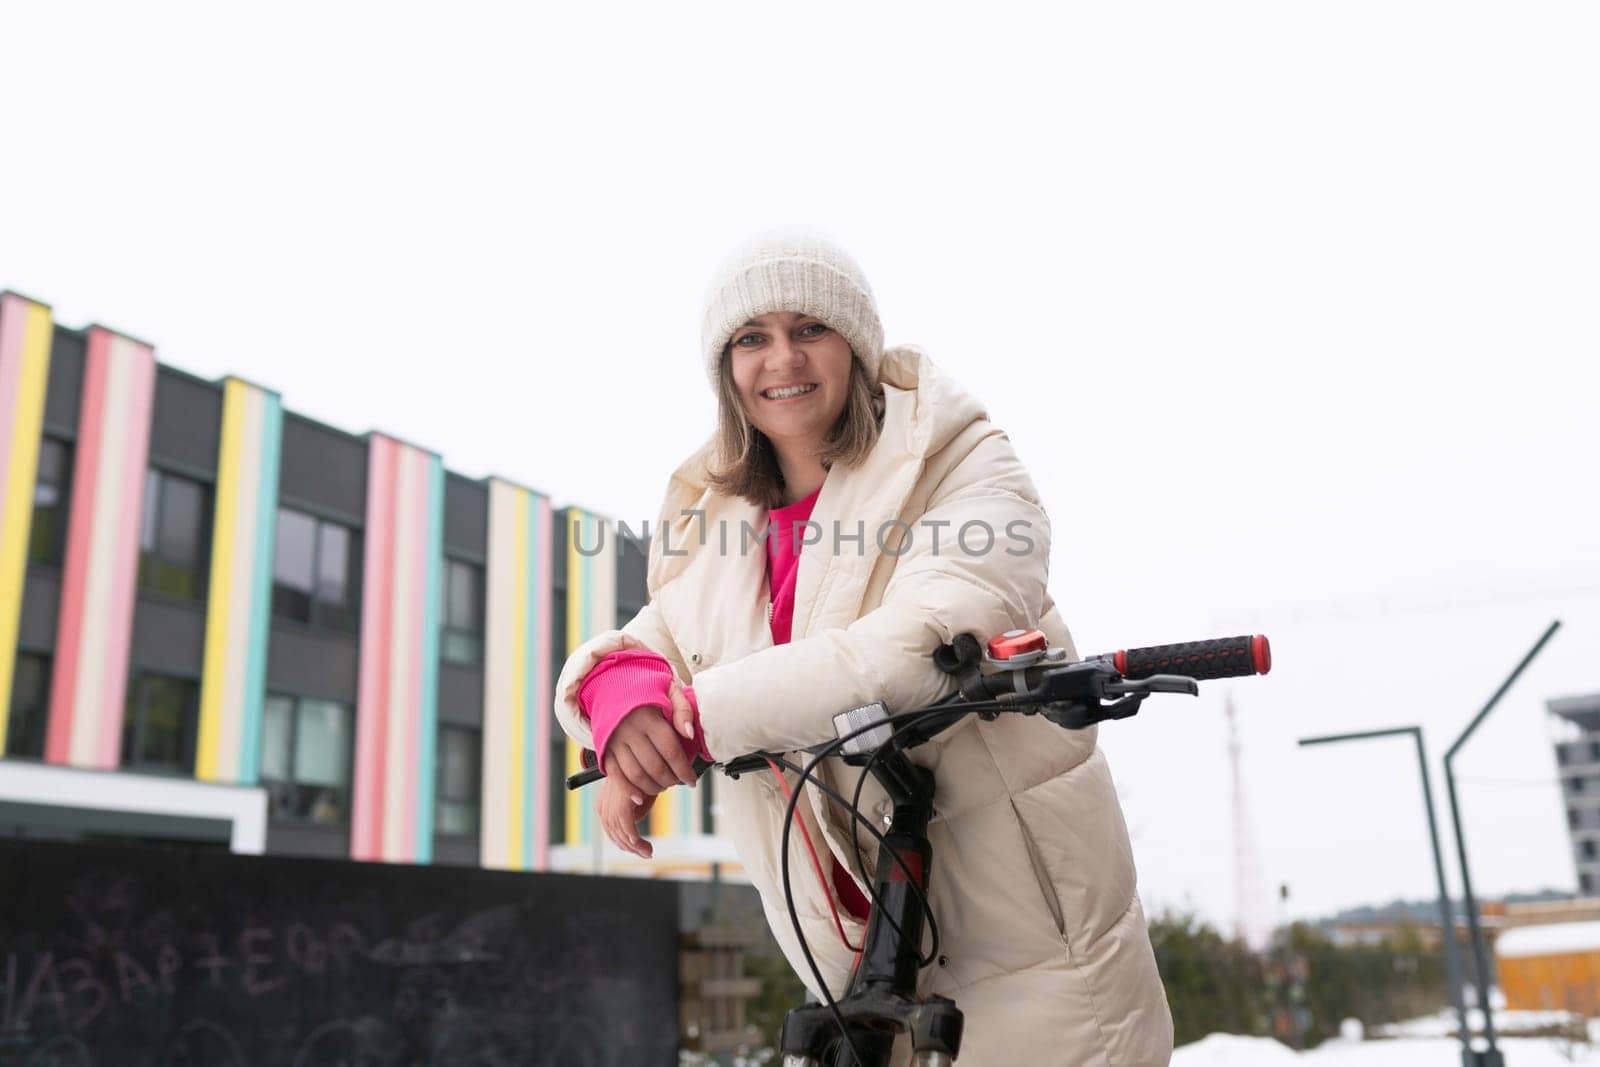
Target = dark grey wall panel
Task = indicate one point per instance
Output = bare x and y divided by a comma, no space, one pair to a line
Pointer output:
168,636
295,839
186,424
41,598
466,517
323,468
460,694
455,851
62,394
631,563
558,544
303,662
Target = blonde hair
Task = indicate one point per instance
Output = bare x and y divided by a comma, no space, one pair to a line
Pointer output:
745,464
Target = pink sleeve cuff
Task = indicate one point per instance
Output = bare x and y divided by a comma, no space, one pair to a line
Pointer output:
627,680
619,683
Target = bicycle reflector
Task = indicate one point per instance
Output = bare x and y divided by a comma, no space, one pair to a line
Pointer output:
848,722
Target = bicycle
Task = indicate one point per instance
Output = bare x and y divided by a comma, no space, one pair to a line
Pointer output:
1019,673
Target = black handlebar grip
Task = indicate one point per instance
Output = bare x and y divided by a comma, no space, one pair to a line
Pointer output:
592,774
1220,657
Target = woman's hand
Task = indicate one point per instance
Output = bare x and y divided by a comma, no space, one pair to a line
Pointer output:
619,817
645,752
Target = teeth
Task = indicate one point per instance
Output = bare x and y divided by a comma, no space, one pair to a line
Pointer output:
793,390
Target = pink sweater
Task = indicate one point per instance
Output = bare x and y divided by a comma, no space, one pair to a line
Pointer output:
627,680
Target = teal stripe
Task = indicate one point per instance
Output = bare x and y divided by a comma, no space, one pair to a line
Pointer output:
261,590
428,743
535,678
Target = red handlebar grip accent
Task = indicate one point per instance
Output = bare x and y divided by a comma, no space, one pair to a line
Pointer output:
1262,652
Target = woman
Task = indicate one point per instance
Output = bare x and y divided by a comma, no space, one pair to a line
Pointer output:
741,648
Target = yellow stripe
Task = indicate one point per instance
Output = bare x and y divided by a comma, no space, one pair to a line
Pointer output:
220,596
663,817
575,637
519,686
16,518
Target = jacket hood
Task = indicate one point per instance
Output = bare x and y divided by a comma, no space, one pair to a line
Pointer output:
924,409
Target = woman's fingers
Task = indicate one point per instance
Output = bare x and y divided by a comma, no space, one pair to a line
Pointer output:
619,817
652,763
620,763
641,845
682,712
653,743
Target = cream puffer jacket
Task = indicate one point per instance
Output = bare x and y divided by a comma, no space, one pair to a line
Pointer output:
1044,944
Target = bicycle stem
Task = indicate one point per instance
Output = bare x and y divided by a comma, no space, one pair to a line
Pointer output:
891,954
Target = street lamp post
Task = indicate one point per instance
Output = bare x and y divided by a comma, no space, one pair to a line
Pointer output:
1469,1058
1492,1057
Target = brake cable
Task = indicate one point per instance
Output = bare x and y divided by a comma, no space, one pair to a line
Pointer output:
904,720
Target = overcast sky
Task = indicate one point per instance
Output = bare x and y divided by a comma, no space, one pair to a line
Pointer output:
1291,309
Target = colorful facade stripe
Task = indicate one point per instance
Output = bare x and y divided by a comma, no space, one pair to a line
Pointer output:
25,330
397,690
518,683
591,609
96,617
233,680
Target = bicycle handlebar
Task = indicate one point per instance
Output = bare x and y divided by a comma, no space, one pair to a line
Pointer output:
1070,694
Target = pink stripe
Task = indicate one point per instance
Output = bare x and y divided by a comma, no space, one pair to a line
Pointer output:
539,671
367,832
85,475
410,718
134,456
13,324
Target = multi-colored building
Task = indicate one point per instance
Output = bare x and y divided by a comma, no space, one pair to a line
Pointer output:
222,621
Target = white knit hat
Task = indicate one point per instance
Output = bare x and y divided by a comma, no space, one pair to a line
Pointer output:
792,269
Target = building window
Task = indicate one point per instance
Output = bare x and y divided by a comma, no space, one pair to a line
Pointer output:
172,535
1594,750
314,569
30,706
1561,755
1575,785
1574,818
462,613
305,758
47,539
158,731
1585,884
456,803
1588,849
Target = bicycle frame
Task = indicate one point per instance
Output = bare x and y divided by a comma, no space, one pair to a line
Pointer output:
882,993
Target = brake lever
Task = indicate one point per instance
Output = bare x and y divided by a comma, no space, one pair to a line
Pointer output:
1156,683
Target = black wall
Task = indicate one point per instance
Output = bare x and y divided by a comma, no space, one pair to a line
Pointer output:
145,956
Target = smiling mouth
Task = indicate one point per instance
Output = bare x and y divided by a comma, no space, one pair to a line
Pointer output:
787,391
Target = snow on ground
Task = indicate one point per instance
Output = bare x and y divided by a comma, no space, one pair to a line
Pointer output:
1509,1023
1228,1050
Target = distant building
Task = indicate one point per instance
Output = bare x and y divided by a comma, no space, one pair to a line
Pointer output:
1578,766
222,621
1397,921
1551,968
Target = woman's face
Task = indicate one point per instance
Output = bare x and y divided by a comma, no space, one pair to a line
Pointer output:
792,375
